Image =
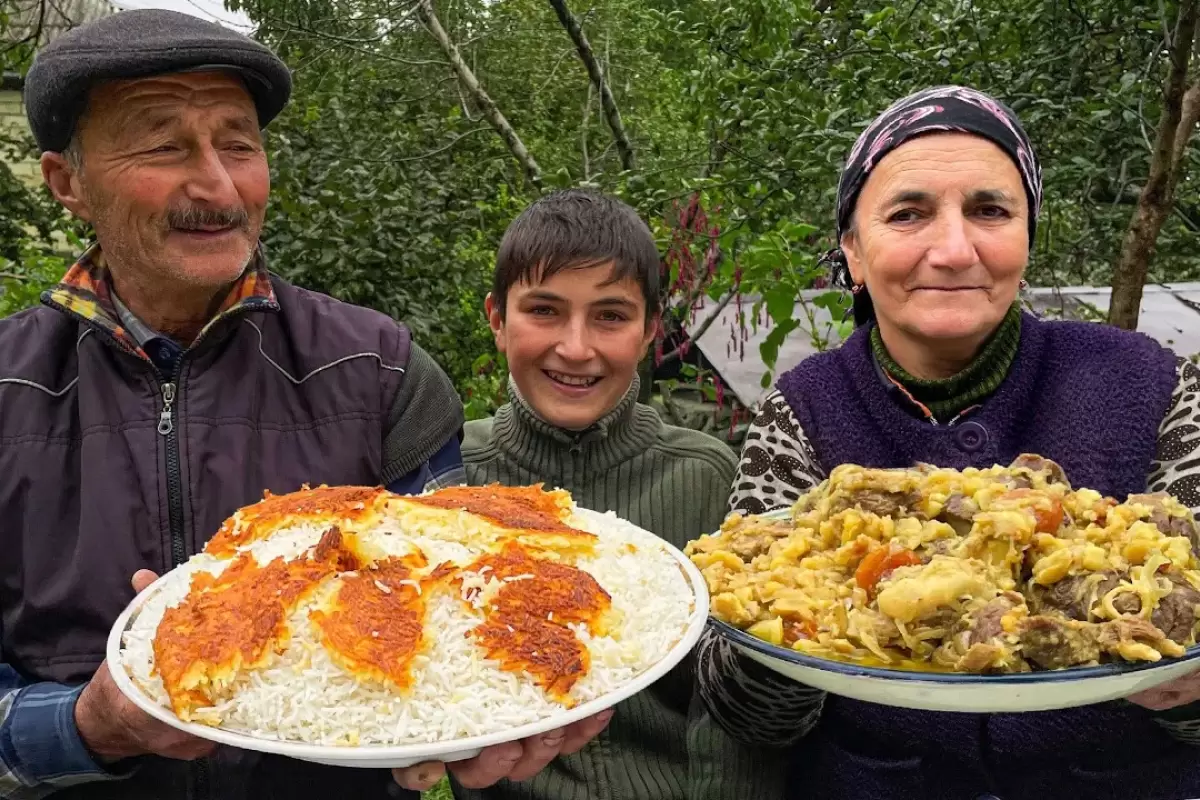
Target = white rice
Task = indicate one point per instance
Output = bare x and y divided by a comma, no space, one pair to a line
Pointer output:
303,696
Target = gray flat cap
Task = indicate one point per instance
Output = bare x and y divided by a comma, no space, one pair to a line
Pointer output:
137,44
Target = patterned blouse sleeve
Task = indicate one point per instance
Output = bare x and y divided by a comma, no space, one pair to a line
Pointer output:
1176,470
777,464
755,705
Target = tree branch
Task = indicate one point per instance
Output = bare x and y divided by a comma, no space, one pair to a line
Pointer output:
1189,115
1154,204
596,75
490,110
583,134
704,326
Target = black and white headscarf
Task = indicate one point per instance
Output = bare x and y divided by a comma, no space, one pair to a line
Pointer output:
955,109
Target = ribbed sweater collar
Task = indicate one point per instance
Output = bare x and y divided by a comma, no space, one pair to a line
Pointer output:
546,449
948,397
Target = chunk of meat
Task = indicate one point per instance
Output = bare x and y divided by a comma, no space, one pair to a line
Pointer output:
756,540
979,657
1075,595
1176,613
1124,603
1169,524
879,502
985,625
1136,639
959,513
1054,473
1054,643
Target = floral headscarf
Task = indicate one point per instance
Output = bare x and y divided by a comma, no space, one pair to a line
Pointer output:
942,109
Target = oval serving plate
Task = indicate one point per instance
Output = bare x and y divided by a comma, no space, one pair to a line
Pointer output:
961,692
392,756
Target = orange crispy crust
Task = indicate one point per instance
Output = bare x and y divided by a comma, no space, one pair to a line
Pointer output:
344,505
376,632
524,508
567,593
232,622
550,653
526,626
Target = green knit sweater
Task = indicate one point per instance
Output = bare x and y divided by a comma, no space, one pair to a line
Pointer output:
672,481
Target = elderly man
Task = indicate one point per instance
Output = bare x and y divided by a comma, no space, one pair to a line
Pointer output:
169,380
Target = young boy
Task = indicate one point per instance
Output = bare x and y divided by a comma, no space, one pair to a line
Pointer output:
574,306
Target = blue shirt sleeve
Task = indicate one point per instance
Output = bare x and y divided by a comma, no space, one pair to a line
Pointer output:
40,748
444,468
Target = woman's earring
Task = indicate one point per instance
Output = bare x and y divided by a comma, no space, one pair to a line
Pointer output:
1023,285
857,289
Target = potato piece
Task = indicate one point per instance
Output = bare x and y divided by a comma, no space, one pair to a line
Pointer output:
731,609
1095,559
704,560
923,590
1052,568
770,631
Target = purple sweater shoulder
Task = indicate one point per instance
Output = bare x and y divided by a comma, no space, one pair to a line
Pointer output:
1091,397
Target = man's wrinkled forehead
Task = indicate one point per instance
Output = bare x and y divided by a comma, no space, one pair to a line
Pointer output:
152,102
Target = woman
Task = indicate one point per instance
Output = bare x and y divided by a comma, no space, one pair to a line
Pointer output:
937,210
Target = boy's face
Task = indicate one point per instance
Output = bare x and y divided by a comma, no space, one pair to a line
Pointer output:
573,342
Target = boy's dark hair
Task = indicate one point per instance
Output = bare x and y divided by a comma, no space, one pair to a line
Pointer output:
574,229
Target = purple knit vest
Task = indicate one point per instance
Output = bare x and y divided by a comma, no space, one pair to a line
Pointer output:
1088,396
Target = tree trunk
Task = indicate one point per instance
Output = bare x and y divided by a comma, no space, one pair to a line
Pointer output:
1166,163
491,111
596,74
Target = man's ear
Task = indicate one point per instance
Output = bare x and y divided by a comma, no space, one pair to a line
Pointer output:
65,185
849,245
495,321
651,331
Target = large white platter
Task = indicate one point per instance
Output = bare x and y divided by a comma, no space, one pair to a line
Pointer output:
376,757
962,692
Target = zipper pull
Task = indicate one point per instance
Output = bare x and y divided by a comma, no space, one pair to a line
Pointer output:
165,423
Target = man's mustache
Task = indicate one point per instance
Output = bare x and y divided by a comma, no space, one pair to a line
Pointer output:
207,218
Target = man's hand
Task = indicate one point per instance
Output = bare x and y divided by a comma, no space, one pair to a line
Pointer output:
113,728
517,761
1178,692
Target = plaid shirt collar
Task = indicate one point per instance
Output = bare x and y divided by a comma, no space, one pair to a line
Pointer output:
86,292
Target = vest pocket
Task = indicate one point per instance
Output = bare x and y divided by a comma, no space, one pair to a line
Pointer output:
834,771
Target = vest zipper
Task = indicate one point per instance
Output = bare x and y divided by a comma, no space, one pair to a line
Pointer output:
166,428
165,424
179,554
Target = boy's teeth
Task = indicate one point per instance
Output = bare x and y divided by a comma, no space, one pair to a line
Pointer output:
571,380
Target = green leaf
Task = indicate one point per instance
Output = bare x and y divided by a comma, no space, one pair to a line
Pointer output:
769,349
780,302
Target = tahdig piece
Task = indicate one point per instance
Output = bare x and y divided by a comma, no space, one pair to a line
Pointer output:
352,626
1001,589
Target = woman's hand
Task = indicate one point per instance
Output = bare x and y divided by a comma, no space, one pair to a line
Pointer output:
1178,692
517,761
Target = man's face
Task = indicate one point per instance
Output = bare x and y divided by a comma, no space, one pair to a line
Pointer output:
173,177
573,342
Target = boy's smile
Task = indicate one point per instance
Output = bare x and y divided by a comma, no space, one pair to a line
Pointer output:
573,342
573,384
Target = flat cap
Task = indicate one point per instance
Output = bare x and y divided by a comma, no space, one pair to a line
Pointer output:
137,44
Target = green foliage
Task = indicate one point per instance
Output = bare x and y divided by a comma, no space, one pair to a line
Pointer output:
439,792
34,233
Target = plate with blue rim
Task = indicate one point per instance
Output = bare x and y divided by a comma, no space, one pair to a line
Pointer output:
958,691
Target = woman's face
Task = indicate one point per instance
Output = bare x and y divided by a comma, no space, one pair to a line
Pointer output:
940,240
